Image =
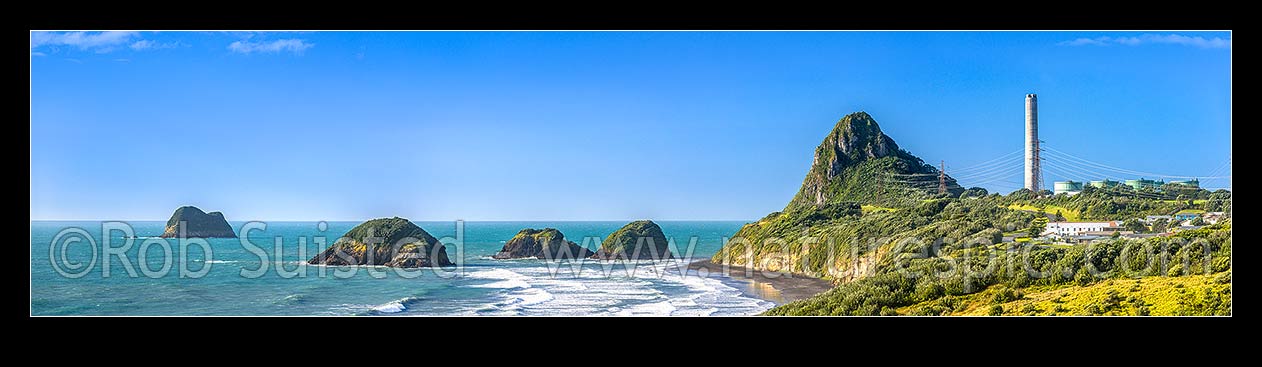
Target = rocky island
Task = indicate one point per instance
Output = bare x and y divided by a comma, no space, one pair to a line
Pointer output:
394,242
638,240
191,222
547,243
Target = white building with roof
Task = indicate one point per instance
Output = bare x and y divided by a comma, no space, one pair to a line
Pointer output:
1213,217
1077,228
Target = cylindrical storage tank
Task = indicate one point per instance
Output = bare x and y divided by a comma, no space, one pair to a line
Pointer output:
1103,183
1143,183
1066,187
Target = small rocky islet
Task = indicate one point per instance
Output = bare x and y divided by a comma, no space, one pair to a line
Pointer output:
397,242
393,242
191,222
638,240
547,244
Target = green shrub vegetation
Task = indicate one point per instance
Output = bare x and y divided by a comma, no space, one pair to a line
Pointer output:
1193,295
869,217
942,284
1113,204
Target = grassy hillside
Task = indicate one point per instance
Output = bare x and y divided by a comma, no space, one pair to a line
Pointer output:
1115,204
1078,279
1204,295
843,242
870,218
1069,214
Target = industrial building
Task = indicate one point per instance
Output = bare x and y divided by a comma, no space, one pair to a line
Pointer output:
1077,228
1075,187
1193,183
1033,171
1144,184
1066,187
1104,184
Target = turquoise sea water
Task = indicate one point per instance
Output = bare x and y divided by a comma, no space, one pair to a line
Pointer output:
70,276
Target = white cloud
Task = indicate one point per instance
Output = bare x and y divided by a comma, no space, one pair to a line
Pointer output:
38,54
142,45
1129,41
97,42
81,40
1101,41
292,45
1172,39
1190,41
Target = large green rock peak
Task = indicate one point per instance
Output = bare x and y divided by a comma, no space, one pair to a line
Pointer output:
547,243
861,187
393,242
857,162
189,221
638,240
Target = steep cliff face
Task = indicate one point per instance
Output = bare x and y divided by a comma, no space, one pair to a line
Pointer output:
638,240
395,242
857,162
547,243
189,221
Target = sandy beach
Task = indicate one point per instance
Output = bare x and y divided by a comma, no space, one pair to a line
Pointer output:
779,288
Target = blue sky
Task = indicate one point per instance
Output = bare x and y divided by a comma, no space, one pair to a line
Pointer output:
586,125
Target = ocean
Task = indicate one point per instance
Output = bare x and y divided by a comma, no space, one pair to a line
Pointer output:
74,271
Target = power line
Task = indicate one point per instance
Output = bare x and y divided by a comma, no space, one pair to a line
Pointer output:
1006,173
989,163
1220,167
1079,171
1057,171
1014,163
1066,164
1112,168
994,179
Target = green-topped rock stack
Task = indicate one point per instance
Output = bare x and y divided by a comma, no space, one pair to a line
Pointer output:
638,240
547,243
190,222
395,242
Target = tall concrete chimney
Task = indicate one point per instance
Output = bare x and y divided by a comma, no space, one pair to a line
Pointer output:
1032,172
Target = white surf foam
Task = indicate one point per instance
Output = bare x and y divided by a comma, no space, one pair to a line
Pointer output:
392,307
395,306
506,279
663,308
529,296
659,290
